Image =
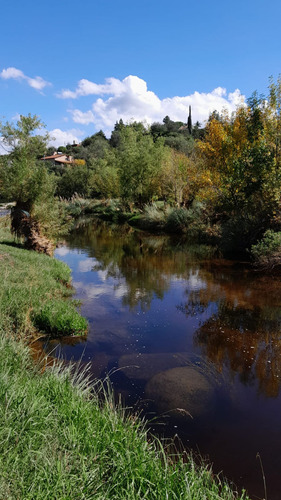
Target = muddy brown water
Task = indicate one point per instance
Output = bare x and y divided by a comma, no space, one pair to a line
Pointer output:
192,341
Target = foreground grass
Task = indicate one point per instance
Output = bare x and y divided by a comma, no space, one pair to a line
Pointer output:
33,292
59,439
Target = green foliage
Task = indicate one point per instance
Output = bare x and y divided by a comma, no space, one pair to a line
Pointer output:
75,180
155,213
21,138
232,167
181,143
153,217
23,180
52,216
191,221
104,176
267,252
22,177
178,220
93,147
176,135
139,165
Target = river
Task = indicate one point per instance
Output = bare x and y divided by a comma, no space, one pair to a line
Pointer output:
190,339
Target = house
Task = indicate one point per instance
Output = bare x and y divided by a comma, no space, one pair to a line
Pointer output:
59,159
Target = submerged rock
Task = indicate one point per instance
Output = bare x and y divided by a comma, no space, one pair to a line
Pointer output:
184,391
145,366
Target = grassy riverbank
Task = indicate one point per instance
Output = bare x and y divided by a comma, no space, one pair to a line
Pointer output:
33,292
58,438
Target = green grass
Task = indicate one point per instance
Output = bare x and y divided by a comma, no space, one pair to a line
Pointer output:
62,436
34,290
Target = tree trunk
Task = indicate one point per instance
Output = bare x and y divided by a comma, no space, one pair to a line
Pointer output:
24,226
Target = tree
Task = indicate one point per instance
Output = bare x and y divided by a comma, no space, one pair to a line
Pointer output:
23,178
273,119
189,121
244,172
104,179
183,179
115,135
74,181
139,161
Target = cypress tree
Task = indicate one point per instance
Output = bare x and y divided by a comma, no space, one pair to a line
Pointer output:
189,121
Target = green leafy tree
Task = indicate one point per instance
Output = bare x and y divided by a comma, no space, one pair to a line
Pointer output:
116,134
139,161
104,176
244,173
23,178
92,147
75,180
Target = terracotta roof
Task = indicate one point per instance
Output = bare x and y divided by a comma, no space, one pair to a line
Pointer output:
59,157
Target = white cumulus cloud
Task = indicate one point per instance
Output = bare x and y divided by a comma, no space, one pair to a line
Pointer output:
37,83
63,137
130,99
86,87
80,117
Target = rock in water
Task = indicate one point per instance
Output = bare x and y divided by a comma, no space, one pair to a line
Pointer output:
182,390
145,366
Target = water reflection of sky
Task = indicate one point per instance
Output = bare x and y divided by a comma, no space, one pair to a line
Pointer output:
159,308
155,326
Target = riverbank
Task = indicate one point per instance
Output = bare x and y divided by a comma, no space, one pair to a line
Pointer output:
59,438
34,292
191,223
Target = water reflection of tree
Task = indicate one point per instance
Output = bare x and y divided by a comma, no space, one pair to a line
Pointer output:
244,332
144,264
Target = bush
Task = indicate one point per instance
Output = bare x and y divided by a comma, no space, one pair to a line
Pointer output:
178,220
154,213
267,252
153,218
191,220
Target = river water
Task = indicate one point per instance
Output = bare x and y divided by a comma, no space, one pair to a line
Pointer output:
191,340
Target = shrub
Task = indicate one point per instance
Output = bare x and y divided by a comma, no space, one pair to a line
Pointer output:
191,220
267,252
154,213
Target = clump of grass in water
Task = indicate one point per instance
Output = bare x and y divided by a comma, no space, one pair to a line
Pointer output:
58,317
58,440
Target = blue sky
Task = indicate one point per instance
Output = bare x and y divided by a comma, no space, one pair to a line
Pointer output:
134,59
